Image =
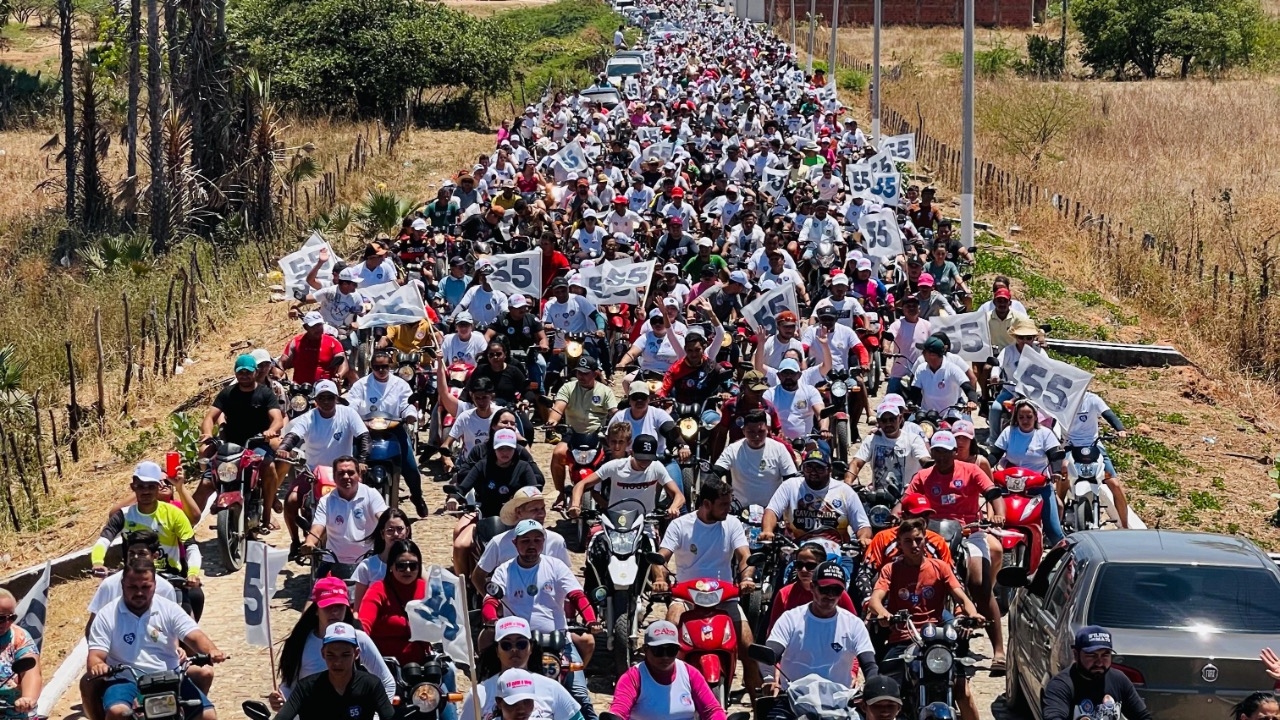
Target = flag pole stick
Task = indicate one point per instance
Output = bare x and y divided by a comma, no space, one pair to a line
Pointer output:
266,614
471,650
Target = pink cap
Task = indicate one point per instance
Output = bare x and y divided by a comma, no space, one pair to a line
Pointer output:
926,280
330,591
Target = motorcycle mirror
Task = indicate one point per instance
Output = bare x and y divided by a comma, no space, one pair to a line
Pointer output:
654,558
755,559
740,716
887,336
992,362
828,411
1046,328
762,654
494,590
1013,577
255,710
1056,455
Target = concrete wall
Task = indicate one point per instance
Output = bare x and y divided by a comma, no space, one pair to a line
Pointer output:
1006,13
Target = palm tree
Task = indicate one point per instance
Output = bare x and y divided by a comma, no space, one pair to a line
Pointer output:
16,408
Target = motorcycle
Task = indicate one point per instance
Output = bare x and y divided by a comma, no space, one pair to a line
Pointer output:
299,399
812,697
160,693
708,636
1089,497
870,330
409,369
383,472
827,255
586,455
696,423
931,663
1023,534
838,390
615,576
420,686
557,663
456,375
617,323
236,472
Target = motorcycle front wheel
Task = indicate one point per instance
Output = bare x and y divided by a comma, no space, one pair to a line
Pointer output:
232,539
840,438
621,634
1084,517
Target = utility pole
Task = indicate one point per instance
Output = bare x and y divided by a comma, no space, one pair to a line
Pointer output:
835,25
813,28
1064,37
966,154
875,77
793,26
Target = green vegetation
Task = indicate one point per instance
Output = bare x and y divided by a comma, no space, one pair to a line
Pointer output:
24,97
1044,58
1173,418
991,62
566,43
1084,363
185,429
1032,121
1034,285
852,80
1204,500
1152,484
1071,330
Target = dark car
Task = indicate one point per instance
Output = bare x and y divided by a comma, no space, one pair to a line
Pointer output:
1188,613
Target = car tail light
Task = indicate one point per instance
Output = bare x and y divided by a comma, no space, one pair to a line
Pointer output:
1134,675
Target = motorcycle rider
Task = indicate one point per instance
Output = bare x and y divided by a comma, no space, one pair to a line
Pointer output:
932,302
463,344
1083,433
820,637
695,376
507,382
919,584
541,588
455,283
645,419
137,614
521,332
895,456
842,346
589,238
637,477
22,682
573,314
665,677
384,391
513,652
799,404
908,333
485,302
343,688
940,384
526,503
1025,335
786,339
815,505
1028,444
494,478
585,403
674,245
946,276
881,698
712,544
326,432
846,307
817,227
884,546
757,464
734,412
313,354
470,424
376,267
442,213
1091,686
345,518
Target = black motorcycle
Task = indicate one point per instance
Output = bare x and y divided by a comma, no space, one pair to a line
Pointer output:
933,662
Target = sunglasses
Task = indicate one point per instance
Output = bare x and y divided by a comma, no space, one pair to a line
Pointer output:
380,368
806,566
639,398
497,354
830,590
407,566
8,618
521,645
665,651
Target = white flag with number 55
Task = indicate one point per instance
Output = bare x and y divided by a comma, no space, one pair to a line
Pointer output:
518,273
762,313
613,283
882,235
900,147
1054,386
969,334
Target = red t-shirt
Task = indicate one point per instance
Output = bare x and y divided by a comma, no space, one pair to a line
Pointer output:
921,590
793,596
311,361
954,496
551,266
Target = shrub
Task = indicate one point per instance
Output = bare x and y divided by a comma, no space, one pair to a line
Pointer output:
990,62
852,80
24,96
1044,58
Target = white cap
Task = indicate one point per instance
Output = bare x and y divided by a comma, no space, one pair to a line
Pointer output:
261,355
789,364
518,301
670,302
841,279
576,279
511,625
349,275
419,224
464,317
516,686
655,314
325,386
340,632
944,440
886,408
864,264
670,269
705,242
504,438
148,472
737,276
312,319
661,633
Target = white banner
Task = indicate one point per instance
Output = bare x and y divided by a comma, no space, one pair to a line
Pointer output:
518,274
664,150
649,133
613,283
881,233
402,306
631,88
439,617
858,177
969,334
262,564
1055,387
762,313
296,265
774,181
882,162
33,610
900,147
571,160
887,187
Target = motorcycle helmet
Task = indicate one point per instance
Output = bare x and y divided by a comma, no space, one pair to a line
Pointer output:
937,711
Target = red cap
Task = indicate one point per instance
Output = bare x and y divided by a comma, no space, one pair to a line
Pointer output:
1004,293
787,316
678,192
916,504
619,200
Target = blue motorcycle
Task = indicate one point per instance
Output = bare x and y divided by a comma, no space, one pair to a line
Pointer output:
383,466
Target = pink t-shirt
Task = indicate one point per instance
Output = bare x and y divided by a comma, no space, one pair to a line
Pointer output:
915,333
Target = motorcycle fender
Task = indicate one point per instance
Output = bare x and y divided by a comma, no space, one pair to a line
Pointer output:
623,571
1084,488
842,416
227,500
709,664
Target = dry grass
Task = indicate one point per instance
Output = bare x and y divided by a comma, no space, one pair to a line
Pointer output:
487,8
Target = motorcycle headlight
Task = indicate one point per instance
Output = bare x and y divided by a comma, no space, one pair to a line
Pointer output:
573,348
688,428
298,403
227,472
839,389
405,372
584,457
1016,484
938,660
378,423
624,543
426,697
161,706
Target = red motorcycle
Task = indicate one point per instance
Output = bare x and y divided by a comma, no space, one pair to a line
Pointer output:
1023,533
617,324
456,376
708,636
236,473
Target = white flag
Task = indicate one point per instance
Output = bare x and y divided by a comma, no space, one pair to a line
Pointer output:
571,160
969,334
762,313
1054,386
612,283
881,233
439,616
404,305
887,187
296,265
900,147
775,181
262,564
33,609
519,273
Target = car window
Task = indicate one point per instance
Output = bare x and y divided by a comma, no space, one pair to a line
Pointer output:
1061,584
1229,599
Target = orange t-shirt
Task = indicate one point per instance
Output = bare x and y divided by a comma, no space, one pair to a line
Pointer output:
884,547
921,590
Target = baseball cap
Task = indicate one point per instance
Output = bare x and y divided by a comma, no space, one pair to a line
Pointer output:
511,625
464,318
705,242
943,440
576,280
786,316
754,380
349,275
1003,293
816,455
620,200
330,591
738,276
456,260
1093,637
518,301
560,282
519,499
933,345
829,573
516,686
670,302
661,633
655,313
527,526
246,362
695,331
644,447
587,364
261,355
340,632
670,269
1024,327
926,280
504,438
886,408
638,387
840,279
148,472
312,319
789,365
678,192
914,259
962,428
419,224
881,688
916,504
709,270
676,220
484,266
863,264
827,311
325,386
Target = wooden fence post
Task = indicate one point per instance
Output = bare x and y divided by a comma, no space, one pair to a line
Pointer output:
44,473
128,355
73,410
102,377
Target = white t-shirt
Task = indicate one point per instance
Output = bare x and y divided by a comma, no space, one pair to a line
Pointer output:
893,461
758,263
627,223
809,376
502,548
109,589
840,340
470,429
774,347
631,484
370,570
469,351
368,395
485,306
825,646
702,550
1027,449
796,407
590,242
313,662
939,389
348,523
756,474
336,307
846,310
950,358
1084,426
327,439
537,593
570,316
804,509
656,353
383,272
653,419
146,643
552,701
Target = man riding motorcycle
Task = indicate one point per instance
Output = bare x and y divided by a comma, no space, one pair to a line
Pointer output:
314,355
383,390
